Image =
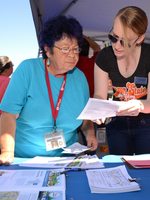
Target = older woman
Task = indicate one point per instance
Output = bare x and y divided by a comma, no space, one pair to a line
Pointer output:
45,96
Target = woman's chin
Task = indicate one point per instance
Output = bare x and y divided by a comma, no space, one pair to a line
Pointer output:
119,55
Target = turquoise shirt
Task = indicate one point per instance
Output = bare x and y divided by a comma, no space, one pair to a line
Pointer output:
27,96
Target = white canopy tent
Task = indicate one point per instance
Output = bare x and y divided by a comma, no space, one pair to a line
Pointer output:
95,16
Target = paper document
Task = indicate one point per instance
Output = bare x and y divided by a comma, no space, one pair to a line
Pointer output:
47,162
32,184
32,195
86,162
111,180
97,109
76,148
80,162
138,161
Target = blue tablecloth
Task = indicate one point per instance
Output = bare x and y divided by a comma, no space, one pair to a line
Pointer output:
78,188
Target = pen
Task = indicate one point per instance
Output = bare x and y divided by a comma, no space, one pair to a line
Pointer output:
69,170
64,172
76,169
60,173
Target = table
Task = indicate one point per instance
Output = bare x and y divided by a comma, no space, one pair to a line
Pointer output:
78,188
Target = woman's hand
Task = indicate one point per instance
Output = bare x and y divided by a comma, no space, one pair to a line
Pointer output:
130,108
89,132
7,137
91,141
99,121
6,158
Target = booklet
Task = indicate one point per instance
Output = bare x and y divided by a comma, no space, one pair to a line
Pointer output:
80,162
111,180
32,184
137,161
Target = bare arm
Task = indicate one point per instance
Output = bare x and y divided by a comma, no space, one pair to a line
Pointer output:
89,132
7,135
101,87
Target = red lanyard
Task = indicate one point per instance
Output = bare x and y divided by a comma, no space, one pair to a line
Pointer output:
54,109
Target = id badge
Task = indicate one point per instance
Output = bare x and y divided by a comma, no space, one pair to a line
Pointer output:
55,140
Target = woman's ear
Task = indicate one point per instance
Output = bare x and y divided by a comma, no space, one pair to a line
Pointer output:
140,40
46,48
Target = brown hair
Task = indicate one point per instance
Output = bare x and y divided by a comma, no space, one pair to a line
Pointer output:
134,18
5,63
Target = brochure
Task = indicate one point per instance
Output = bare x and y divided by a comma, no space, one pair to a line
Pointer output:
86,162
32,195
32,184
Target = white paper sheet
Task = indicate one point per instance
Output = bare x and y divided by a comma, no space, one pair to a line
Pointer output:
98,109
32,195
81,162
31,184
47,162
111,180
75,148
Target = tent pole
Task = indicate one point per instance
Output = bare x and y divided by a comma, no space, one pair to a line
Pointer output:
68,7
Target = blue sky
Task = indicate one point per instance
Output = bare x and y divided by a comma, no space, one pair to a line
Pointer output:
18,37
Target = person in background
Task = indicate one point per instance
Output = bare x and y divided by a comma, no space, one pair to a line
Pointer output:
6,69
127,64
86,63
45,97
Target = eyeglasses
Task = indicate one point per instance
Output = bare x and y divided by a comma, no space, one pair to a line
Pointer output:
124,43
66,50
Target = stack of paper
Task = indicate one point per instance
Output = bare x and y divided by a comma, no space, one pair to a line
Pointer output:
111,180
32,184
47,162
86,162
81,162
137,161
